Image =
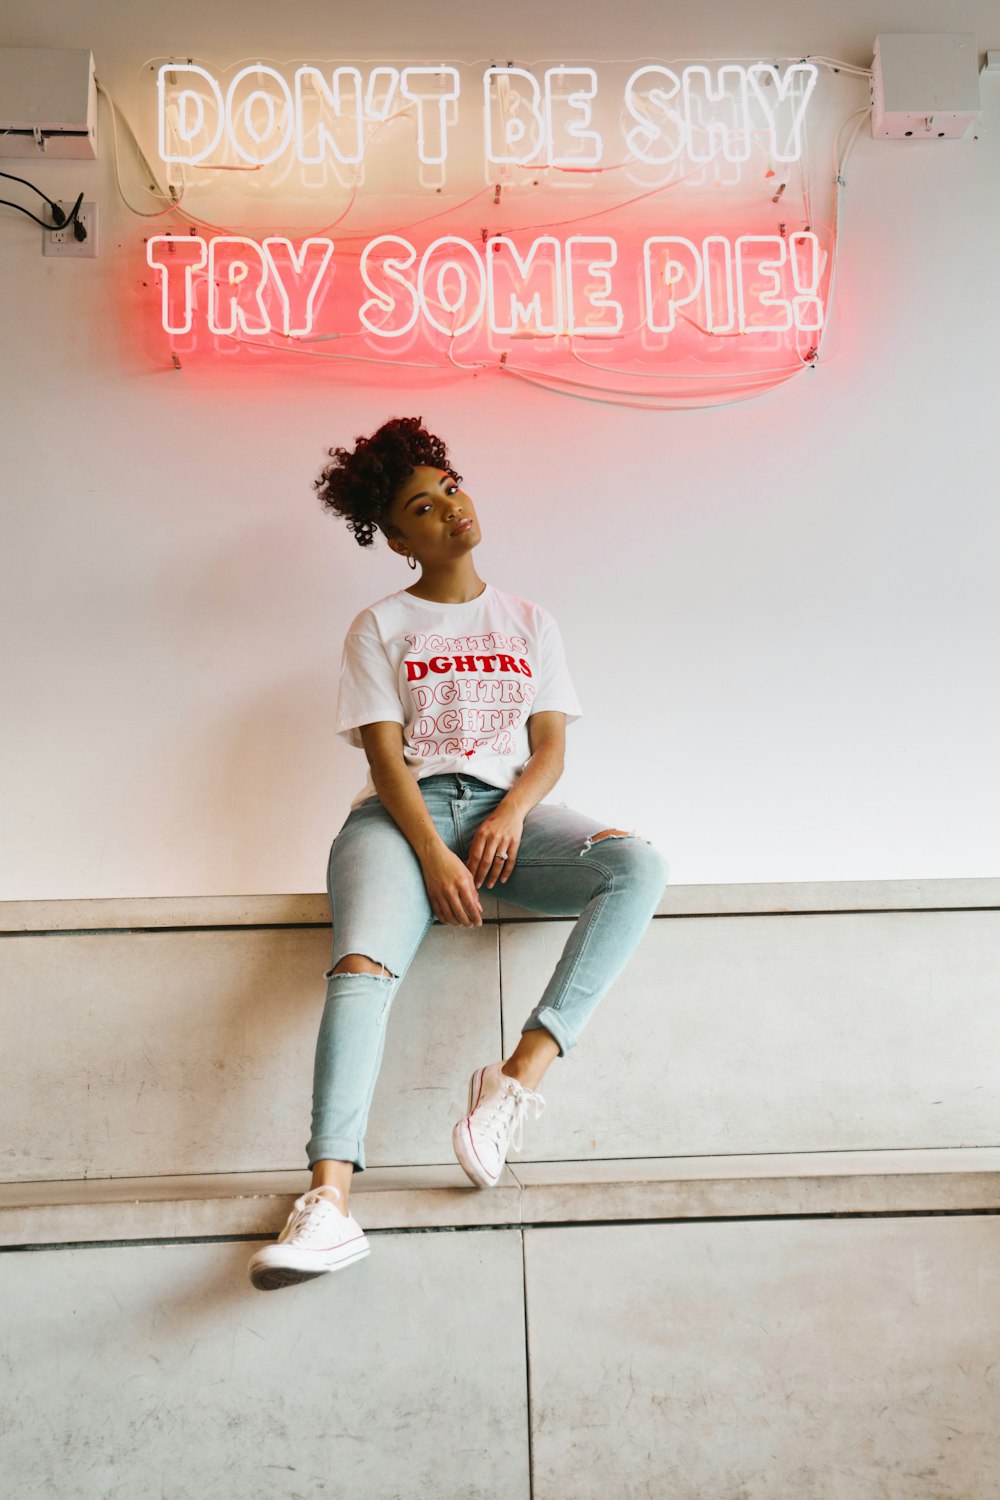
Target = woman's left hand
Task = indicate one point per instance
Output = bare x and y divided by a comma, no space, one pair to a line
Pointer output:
500,833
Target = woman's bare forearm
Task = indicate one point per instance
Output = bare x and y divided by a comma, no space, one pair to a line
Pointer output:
403,801
539,776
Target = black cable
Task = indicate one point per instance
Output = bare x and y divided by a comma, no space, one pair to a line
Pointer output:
66,221
54,206
72,219
7,204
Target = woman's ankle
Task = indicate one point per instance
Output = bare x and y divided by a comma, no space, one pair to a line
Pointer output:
336,1175
335,1194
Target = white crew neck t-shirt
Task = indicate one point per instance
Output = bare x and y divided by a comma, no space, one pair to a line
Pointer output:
462,679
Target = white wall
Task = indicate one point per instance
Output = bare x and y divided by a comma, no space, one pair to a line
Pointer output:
781,615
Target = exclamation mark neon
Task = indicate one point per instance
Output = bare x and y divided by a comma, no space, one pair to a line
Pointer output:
804,256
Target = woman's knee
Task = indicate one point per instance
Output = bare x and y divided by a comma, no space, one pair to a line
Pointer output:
633,850
651,862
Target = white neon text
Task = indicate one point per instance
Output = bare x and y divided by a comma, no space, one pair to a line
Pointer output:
545,122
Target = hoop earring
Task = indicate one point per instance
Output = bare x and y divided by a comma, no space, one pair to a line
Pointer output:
411,561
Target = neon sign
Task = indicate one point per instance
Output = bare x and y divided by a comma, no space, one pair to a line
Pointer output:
761,284
699,112
706,260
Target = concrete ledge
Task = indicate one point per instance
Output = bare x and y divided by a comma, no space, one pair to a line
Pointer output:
816,1182
188,1050
242,1203
441,1197
142,913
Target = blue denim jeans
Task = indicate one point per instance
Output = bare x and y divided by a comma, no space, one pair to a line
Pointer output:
381,909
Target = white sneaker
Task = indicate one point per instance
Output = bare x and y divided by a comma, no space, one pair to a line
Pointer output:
316,1238
495,1123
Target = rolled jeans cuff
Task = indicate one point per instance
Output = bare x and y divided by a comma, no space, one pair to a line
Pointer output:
336,1148
553,1022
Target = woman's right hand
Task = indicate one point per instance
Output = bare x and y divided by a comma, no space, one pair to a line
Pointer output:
451,889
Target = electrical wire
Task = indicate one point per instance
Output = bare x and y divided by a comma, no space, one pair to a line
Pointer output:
839,182
62,222
7,203
589,392
368,359
558,384
154,186
54,206
835,64
737,377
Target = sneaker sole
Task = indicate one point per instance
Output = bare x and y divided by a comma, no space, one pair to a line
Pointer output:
464,1149
268,1278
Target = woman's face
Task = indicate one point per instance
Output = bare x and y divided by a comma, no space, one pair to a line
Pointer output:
426,509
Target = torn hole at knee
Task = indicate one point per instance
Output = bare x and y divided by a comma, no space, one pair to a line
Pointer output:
354,964
608,833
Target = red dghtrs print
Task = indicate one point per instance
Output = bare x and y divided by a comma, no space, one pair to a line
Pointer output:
467,692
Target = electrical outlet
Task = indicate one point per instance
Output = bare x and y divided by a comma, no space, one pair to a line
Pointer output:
65,242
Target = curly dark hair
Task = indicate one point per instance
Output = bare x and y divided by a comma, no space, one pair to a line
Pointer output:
361,486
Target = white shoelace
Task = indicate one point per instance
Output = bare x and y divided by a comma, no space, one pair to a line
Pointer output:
509,1112
309,1220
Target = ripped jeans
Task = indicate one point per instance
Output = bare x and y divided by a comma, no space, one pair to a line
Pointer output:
381,910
